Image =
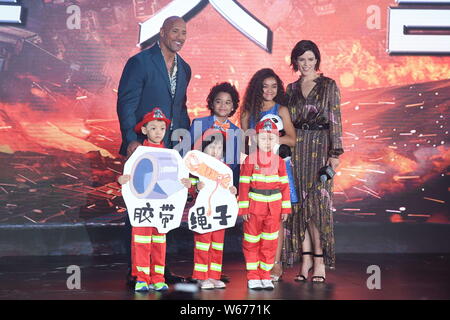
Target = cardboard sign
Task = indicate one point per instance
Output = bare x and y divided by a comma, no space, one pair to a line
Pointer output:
154,196
216,207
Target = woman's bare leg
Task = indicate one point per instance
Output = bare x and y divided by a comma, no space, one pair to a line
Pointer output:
319,265
307,260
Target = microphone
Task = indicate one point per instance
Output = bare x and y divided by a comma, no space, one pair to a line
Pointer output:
326,173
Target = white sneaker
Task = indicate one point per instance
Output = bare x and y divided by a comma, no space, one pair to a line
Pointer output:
205,284
255,284
267,284
218,284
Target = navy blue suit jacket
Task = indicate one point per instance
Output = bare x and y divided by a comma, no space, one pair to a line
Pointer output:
145,85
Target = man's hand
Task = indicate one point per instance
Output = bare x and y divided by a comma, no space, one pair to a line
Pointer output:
246,217
284,217
132,146
233,190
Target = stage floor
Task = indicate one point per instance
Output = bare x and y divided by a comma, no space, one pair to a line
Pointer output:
403,276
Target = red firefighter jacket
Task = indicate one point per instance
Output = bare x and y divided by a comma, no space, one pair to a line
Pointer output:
264,185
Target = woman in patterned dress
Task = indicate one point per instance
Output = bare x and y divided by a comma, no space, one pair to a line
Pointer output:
314,106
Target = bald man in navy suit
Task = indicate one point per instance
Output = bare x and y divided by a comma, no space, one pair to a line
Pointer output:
155,77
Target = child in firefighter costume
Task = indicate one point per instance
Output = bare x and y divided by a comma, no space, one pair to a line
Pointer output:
148,246
208,249
264,202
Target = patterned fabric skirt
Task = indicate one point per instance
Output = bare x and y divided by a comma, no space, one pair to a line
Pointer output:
315,197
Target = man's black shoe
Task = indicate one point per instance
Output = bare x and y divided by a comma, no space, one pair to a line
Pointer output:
172,278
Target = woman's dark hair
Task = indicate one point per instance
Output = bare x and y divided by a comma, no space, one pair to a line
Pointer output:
211,139
300,48
253,98
223,87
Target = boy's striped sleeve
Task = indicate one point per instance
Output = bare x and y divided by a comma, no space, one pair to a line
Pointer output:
244,187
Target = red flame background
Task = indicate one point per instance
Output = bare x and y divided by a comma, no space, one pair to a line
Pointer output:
59,91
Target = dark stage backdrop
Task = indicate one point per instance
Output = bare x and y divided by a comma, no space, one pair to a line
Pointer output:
59,133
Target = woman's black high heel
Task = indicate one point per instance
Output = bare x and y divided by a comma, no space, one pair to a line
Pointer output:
300,277
322,279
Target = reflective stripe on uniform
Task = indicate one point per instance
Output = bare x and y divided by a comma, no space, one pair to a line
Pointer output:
159,269
159,239
201,267
251,239
252,265
284,179
265,266
193,181
216,267
263,198
244,179
145,270
244,204
202,246
269,236
217,246
286,204
142,239
263,178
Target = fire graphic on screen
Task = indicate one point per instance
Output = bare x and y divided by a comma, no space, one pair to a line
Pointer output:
59,134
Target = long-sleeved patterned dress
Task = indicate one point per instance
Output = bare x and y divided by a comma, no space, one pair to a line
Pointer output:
319,130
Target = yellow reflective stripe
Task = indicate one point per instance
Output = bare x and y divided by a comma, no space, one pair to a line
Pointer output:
244,179
142,239
194,181
269,236
265,266
202,246
159,239
264,198
216,267
286,204
244,204
284,179
251,239
263,178
252,265
159,269
217,246
145,270
201,267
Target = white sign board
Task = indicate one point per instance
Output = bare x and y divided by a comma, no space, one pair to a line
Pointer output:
154,196
216,207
